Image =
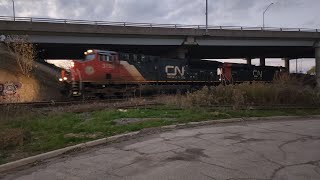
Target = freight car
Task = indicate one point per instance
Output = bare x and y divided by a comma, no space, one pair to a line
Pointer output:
107,73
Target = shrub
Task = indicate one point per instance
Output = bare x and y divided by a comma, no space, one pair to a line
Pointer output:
283,91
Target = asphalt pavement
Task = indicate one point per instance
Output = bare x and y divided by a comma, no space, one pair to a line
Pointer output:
287,149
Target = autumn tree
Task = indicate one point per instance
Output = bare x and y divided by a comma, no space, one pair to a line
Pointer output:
23,50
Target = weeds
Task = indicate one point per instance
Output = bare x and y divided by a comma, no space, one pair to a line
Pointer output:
281,92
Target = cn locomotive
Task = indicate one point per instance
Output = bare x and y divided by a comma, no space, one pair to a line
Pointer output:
108,73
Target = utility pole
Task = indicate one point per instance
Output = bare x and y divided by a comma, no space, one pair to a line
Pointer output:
14,13
206,16
265,12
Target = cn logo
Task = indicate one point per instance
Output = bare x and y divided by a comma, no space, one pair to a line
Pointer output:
173,71
257,74
89,70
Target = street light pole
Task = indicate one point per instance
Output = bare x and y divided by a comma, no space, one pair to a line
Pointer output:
14,13
266,11
206,16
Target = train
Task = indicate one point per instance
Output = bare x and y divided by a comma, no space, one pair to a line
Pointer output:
104,73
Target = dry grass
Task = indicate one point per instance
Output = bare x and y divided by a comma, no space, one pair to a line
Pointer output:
283,91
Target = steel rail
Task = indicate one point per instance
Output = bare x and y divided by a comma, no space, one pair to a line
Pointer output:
41,104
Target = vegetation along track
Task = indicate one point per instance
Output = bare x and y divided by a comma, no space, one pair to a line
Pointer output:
41,104
120,103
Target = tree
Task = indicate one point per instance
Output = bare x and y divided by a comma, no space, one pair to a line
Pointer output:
312,71
23,50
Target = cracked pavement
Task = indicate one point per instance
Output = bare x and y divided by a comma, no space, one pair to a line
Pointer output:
247,151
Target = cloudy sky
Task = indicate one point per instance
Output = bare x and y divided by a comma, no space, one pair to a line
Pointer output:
284,13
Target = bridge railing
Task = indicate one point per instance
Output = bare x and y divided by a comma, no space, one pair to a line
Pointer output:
153,25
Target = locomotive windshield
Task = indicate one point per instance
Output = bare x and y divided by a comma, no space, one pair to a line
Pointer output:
89,57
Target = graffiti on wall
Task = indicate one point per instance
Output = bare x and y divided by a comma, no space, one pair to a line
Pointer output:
9,90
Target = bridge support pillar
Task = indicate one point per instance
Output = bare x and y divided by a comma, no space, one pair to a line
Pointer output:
317,57
181,53
287,64
249,61
263,61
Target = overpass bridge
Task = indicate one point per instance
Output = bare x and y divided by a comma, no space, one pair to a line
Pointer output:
63,38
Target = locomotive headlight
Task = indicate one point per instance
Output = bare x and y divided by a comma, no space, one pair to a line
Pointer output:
65,78
72,64
90,51
219,71
60,79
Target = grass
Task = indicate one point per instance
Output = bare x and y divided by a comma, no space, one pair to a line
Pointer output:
48,132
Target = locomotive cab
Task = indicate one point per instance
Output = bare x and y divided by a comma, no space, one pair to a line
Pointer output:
96,66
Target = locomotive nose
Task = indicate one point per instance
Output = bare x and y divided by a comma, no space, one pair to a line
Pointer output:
64,76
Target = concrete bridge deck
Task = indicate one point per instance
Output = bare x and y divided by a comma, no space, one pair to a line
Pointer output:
62,38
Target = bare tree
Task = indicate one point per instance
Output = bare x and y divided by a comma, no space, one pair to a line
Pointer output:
23,51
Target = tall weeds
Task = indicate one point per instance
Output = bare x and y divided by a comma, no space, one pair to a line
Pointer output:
283,91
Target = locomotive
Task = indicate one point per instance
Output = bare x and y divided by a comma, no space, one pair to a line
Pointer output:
109,73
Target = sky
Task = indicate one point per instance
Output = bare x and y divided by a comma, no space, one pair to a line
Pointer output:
283,13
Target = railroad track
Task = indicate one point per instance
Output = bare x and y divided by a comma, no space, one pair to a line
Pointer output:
263,107
41,104
143,101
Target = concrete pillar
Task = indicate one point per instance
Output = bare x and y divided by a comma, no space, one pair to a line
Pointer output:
190,40
249,61
263,61
178,53
181,53
287,64
317,56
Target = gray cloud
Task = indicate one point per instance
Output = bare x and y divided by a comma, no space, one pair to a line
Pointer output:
284,13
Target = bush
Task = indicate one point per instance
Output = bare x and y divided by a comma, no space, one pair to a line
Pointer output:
282,91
